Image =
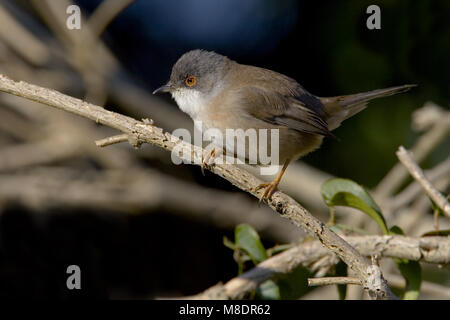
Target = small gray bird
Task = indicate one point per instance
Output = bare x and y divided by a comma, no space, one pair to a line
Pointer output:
222,94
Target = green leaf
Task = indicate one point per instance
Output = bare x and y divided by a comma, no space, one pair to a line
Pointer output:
268,290
247,239
436,233
344,192
410,270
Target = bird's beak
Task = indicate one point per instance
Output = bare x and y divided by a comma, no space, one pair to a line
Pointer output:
165,88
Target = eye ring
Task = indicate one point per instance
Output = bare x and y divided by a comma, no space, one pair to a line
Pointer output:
190,81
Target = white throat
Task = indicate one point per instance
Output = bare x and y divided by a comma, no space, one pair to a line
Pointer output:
189,101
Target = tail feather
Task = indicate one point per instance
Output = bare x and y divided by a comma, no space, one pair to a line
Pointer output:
341,108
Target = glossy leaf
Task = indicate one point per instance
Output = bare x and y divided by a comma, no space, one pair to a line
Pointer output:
247,239
344,192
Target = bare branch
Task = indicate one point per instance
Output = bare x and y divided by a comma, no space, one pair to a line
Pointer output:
314,282
139,190
425,117
111,140
407,159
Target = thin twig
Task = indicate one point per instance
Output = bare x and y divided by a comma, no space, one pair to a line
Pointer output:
416,172
111,140
314,282
281,203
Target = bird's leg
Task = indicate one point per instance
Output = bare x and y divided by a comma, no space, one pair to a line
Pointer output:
206,160
271,187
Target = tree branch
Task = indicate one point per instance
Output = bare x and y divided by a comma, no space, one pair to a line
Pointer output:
139,190
315,282
111,140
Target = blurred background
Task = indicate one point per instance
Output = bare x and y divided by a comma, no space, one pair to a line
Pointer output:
139,226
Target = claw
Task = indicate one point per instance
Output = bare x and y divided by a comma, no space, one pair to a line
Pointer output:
269,190
271,187
206,159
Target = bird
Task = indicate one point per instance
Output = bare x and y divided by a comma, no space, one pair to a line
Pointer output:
220,93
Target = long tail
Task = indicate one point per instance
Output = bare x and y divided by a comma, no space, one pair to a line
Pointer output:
343,107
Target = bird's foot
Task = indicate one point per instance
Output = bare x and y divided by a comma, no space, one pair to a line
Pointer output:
269,190
208,160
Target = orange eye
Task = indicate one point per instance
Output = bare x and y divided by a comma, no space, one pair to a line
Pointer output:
190,81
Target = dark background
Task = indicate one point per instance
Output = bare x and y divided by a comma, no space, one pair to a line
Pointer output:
324,45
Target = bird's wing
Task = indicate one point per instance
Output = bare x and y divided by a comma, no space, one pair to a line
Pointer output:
294,109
